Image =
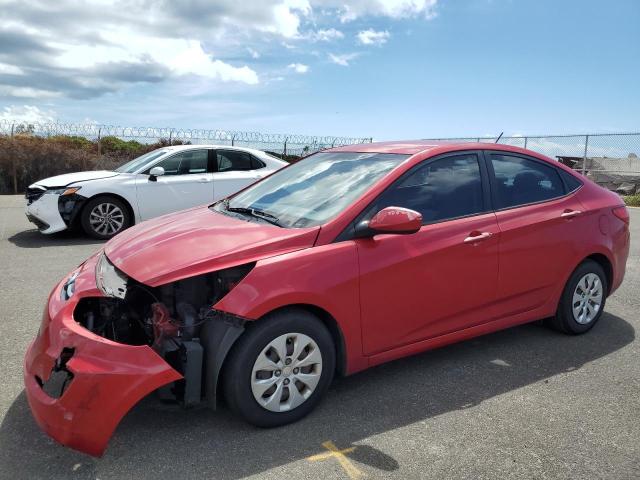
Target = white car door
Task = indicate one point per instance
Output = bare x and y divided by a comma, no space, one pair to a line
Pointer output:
235,170
187,182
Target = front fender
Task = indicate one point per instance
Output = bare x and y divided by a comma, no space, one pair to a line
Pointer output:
325,277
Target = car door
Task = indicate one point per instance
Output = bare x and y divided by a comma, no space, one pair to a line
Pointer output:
442,278
187,182
538,218
235,170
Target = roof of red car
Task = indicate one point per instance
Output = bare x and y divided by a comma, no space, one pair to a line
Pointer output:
411,147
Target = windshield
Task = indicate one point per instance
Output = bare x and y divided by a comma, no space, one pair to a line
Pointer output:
137,163
314,190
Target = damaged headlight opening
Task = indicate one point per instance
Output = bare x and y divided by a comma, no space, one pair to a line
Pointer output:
175,319
69,286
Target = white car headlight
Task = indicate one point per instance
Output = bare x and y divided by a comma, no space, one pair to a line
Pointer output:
62,191
111,281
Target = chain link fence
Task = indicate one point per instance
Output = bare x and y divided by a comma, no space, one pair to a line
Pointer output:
32,151
280,143
611,160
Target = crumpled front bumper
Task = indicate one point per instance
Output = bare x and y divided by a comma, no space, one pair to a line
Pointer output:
44,213
108,378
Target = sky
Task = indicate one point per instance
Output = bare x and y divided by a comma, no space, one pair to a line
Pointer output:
387,69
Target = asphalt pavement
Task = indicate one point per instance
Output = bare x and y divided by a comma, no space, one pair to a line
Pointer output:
522,403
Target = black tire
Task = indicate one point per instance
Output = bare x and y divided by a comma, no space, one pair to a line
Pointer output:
564,321
238,368
105,232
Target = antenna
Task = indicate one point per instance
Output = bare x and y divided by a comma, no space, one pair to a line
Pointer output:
499,137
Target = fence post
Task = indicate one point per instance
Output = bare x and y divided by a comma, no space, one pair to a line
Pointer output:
285,146
233,140
170,135
370,139
584,158
99,146
525,141
13,163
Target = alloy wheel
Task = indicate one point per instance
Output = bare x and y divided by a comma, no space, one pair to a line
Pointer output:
286,372
587,298
106,219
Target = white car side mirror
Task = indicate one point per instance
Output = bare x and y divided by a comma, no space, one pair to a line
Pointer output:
155,172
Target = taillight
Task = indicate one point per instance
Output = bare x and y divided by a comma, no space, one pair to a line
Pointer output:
622,213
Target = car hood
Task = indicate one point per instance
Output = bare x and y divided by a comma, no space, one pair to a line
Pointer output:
197,241
69,178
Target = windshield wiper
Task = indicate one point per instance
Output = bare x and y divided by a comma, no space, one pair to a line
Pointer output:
254,212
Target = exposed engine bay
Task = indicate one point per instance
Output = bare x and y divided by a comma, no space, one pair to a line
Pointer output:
176,320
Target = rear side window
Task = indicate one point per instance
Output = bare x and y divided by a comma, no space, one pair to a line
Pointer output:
571,182
442,189
230,160
520,181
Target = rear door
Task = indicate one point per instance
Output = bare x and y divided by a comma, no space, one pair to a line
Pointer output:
234,170
538,217
187,182
442,278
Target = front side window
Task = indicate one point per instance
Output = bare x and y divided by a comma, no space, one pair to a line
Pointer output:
136,164
520,181
442,189
184,163
315,189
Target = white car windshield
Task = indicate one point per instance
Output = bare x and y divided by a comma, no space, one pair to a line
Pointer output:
314,190
136,164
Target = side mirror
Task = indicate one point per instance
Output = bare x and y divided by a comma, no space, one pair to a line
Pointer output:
155,172
396,220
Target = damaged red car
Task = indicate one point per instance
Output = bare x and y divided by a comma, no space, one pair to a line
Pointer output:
347,259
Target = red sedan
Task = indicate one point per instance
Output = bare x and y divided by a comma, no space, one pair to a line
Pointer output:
347,259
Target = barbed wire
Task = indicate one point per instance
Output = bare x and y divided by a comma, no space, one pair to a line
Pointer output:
276,141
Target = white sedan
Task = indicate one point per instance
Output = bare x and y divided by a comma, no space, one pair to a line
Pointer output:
162,181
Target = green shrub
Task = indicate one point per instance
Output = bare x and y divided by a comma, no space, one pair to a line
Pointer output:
632,200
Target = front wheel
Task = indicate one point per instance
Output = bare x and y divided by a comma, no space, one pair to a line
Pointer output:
582,301
279,369
104,217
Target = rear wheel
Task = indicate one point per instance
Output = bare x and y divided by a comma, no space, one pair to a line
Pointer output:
104,217
279,369
582,301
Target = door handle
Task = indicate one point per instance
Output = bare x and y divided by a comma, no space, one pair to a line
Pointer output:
477,238
570,213
204,180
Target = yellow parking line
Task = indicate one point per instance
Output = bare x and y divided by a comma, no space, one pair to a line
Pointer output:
339,455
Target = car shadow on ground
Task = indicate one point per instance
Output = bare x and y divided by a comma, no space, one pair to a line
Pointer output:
34,239
156,440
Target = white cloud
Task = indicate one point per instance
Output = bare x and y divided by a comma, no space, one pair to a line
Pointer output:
193,60
326,35
372,37
354,9
298,67
343,59
27,114
95,47
286,17
5,68
27,92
